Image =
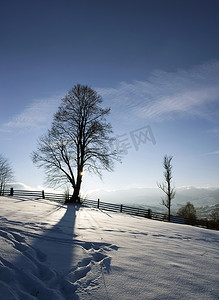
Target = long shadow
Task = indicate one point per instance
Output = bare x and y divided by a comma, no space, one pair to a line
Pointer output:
50,262
42,264
60,239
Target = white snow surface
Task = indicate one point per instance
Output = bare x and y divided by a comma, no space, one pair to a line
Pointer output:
52,251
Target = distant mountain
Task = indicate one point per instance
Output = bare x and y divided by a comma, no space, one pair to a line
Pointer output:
204,199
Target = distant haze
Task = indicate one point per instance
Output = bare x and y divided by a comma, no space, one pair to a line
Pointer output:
151,197
204,199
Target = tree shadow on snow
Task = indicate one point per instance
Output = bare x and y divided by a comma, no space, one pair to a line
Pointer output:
41,263
50,262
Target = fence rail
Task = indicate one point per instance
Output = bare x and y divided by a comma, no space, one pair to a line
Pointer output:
136,211
35,195
141,212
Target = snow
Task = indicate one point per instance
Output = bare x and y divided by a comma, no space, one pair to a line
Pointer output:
53,251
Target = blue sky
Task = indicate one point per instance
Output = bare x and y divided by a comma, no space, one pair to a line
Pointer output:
156,64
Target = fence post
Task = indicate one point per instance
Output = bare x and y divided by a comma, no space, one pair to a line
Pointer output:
121,207
43,194
98,203
207,224
11,192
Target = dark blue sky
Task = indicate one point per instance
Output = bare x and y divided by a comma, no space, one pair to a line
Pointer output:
171,47
51,44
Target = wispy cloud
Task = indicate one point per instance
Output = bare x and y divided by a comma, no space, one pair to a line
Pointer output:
37,115
211,153
164,95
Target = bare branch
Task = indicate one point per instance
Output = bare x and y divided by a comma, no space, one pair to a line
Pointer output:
166,186
78,140
6,173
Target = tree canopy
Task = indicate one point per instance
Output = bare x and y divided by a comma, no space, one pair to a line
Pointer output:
188,212
77,141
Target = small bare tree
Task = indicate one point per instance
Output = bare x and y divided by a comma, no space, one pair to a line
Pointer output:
78,140
6,173
166,186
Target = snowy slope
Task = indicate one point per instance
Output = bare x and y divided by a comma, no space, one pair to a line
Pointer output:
50,251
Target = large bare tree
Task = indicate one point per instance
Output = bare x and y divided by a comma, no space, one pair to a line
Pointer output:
6,173
166,186
77,141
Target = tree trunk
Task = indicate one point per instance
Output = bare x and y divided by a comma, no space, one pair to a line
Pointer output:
75,197
1,189
169,204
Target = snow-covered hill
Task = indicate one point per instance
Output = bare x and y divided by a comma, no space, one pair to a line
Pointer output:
52,251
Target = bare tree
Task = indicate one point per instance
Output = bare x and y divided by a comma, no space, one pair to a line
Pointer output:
6,173
166,186
77,141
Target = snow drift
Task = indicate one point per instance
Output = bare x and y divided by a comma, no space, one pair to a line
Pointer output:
52,251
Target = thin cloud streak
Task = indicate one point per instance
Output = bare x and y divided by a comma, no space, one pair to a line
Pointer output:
37,115
211,153
169,95
164,96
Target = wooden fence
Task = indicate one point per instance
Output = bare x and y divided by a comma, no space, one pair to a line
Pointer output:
36,195
141,212
136,211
